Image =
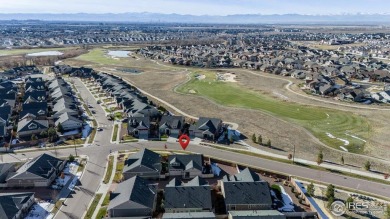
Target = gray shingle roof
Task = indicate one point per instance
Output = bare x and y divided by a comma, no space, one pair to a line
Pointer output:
145,157
65,117
193,215
12,203
246,188
134,193
24,123
176,122
186,161
194,194
210,124
43,166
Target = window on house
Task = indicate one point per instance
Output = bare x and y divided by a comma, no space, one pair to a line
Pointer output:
32,126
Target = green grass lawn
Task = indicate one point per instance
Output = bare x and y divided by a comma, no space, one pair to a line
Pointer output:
92,136
314,119
109,169
102,213
108,100
106,200
92,208
81,165
115,132
99,56
76,141
57,206
118,115
118,172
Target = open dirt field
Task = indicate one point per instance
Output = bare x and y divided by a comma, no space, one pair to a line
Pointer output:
283,125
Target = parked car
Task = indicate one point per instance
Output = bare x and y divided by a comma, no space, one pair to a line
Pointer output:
100,129
93,111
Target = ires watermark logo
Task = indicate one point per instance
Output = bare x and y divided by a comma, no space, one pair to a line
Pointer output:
338,208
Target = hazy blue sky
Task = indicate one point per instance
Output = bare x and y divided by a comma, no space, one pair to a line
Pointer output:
197,7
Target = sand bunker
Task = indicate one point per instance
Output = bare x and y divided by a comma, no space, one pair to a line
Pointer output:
227,77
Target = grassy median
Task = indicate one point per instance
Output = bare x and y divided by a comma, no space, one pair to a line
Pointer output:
92,208
109,169
115,132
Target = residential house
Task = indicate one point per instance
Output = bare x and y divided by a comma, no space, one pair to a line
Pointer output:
171,125
135,197
207,128
246,191
3,128
15,205
68,122
139,127
5,169
38,172
193,196
185,165
28,127
145,163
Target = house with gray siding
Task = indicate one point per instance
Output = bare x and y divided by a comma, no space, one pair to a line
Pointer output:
38,172
139,127
246,191
171,125
193,196
185,165
135,197
145,163
29,126
206,128
5,169
15,205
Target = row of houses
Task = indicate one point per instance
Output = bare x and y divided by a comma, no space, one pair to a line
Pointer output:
286,59
8,98
145,120
244,193
47,104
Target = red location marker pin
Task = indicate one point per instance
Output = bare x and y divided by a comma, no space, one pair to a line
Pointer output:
184,140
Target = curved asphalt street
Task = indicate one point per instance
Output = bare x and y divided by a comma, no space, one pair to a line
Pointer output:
78,202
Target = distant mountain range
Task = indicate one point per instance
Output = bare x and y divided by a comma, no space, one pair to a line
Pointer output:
229,19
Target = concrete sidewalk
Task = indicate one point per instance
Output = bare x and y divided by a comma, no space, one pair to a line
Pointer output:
103,188
324,165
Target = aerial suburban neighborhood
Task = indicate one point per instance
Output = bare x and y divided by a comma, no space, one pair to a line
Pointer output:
194,109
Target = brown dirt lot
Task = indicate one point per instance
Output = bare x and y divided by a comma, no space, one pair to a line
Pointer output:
160,80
